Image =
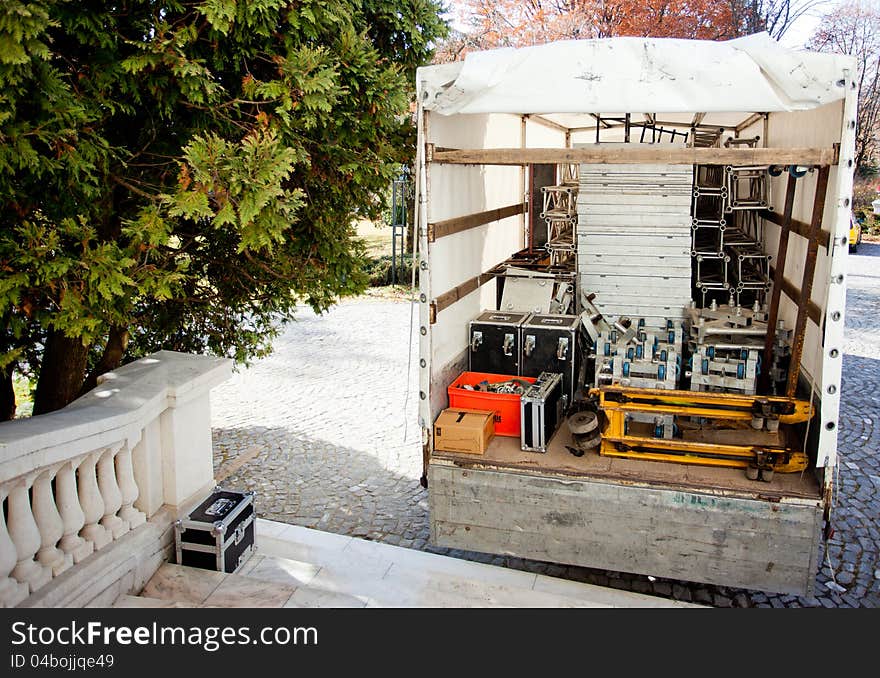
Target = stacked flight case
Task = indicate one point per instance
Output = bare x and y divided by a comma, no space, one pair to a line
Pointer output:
526,345
549,344
545,346
495,343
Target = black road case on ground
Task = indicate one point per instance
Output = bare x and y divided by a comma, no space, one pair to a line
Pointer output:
219,533
541,409
549,344
494,342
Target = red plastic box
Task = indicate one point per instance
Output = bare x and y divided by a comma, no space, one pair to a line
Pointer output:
505,405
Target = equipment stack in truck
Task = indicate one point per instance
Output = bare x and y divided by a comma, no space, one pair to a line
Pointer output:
703,352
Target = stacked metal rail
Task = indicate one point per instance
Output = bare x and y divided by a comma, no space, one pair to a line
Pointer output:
634,239
729,262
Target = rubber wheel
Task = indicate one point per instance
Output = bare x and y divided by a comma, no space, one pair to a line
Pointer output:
582,423
766,474
752,472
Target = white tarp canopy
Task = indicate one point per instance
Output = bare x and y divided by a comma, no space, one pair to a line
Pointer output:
660,75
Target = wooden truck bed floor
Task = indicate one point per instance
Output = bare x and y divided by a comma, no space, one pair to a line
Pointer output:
504,453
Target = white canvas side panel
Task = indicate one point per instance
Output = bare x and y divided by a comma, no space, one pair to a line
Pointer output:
820,127
542,136
459,191
821,361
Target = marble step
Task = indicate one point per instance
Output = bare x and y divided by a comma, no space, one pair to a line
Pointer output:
299,567
147,602
268,581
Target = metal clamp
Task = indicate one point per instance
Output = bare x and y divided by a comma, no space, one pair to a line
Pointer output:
529,344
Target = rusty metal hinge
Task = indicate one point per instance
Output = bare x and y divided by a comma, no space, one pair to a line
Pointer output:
432,312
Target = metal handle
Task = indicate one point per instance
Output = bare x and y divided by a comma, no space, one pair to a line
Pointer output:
529,344
562,348
239,534
508,344
476,341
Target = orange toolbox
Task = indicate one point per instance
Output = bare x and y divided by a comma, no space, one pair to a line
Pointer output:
505,405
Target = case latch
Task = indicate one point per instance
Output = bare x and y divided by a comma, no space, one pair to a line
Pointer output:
476,341
562,348
508,344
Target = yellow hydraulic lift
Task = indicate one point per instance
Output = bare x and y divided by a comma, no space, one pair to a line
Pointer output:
718,412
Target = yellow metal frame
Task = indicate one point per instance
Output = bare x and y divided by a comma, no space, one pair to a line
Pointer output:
616,402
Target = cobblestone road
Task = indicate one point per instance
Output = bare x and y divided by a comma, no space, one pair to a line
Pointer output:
319,429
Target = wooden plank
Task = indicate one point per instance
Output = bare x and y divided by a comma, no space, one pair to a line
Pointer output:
814,313
639,153
664,532
446,299
748,122
446,227
595,507
702,564
799,227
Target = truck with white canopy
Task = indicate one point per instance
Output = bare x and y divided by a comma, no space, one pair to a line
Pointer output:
487,127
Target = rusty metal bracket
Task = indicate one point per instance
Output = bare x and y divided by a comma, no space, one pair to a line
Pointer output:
797,347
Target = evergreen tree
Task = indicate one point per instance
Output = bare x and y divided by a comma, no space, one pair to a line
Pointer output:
181,175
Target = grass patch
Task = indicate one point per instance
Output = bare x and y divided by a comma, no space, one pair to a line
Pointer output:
24,402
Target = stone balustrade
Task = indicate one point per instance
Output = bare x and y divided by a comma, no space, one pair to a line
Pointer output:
75,481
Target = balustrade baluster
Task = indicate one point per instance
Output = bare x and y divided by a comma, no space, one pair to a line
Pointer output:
91,502
110,493
50,524
71,513
129,489
26,537
12,592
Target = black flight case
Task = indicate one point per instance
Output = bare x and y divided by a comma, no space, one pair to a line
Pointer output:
219,533
494,342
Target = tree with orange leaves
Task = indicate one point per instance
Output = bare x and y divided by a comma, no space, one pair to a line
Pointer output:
517,23
853,28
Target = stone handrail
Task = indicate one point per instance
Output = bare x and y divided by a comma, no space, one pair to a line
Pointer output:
75,480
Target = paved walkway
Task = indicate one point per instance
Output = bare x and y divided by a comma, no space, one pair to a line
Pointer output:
319,429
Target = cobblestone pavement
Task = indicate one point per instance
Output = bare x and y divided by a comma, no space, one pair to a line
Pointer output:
325,433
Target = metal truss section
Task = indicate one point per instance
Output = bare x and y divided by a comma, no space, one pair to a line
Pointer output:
559,202
748,188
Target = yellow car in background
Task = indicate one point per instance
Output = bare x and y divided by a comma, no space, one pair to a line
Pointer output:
855,233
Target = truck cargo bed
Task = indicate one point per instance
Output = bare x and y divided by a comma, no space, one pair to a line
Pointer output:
504,453
684,522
